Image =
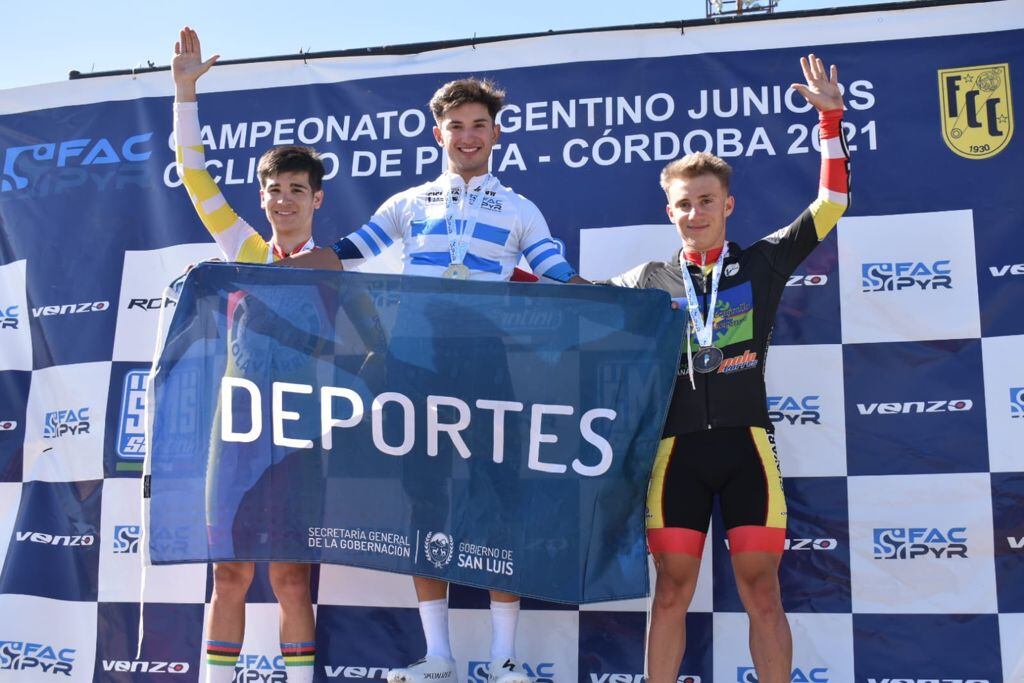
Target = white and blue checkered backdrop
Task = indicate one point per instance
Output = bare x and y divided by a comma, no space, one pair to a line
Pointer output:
896,378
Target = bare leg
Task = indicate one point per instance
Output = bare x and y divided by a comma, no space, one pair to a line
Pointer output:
771,645
290,581
673,591
227,606
430,589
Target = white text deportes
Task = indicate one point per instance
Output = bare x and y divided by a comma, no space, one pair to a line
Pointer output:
434,427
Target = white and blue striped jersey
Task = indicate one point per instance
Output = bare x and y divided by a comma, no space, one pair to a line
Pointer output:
508,226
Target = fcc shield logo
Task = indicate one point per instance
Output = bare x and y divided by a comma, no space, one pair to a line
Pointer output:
977,110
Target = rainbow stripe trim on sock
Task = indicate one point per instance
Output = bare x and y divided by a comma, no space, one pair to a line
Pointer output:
298,654
220,653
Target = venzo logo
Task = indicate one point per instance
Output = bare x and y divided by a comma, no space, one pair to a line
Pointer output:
908,407
51,539
145,667
976,109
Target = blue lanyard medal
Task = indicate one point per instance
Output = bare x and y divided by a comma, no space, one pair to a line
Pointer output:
708,356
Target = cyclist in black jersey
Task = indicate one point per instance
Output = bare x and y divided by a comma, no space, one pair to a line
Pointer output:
717,439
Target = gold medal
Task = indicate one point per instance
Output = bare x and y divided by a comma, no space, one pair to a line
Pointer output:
456,271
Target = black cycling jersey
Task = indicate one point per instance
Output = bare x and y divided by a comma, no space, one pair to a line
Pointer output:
751,285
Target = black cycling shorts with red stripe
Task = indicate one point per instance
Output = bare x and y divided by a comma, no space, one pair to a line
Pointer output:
737,464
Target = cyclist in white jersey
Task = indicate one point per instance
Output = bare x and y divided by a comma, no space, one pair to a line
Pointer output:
463,225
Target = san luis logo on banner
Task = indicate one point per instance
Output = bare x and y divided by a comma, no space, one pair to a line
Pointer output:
976,109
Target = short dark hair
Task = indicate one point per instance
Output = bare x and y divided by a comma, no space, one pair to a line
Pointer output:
292,158
464,91
696,164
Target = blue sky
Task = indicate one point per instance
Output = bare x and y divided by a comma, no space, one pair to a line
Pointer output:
47,38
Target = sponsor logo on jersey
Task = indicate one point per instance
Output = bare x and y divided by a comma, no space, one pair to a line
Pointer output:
794,410
911,543
24,162
126,539
57,423
9,317
747,361
908,407
540,672
137,666
976,109
896,276
818,674
43,658
1017,402
66,309
734,316
131,430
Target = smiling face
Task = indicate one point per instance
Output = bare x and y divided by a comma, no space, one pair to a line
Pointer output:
289,203
467,133
699,206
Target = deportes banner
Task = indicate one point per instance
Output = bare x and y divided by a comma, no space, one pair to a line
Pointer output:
895,377
491,434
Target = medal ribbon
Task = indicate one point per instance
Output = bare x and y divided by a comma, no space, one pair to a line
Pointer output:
703,328
458,244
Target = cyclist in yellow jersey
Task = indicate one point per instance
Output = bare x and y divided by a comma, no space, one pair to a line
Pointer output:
290,192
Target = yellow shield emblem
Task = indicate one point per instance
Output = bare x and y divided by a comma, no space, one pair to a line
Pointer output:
977,111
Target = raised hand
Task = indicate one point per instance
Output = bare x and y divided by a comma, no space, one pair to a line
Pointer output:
188,65
821,89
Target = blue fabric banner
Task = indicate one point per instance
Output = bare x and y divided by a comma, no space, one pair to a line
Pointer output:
492,434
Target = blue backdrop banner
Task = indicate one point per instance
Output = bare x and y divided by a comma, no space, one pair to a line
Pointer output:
492,434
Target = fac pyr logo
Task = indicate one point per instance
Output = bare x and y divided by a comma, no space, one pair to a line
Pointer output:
1017,402
976,109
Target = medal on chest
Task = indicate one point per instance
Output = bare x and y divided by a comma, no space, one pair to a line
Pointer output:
708,356
466,210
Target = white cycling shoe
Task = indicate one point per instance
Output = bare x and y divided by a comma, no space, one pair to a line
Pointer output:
506,671
430,669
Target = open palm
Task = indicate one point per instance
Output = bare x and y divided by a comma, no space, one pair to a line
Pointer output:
188,65
821,88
